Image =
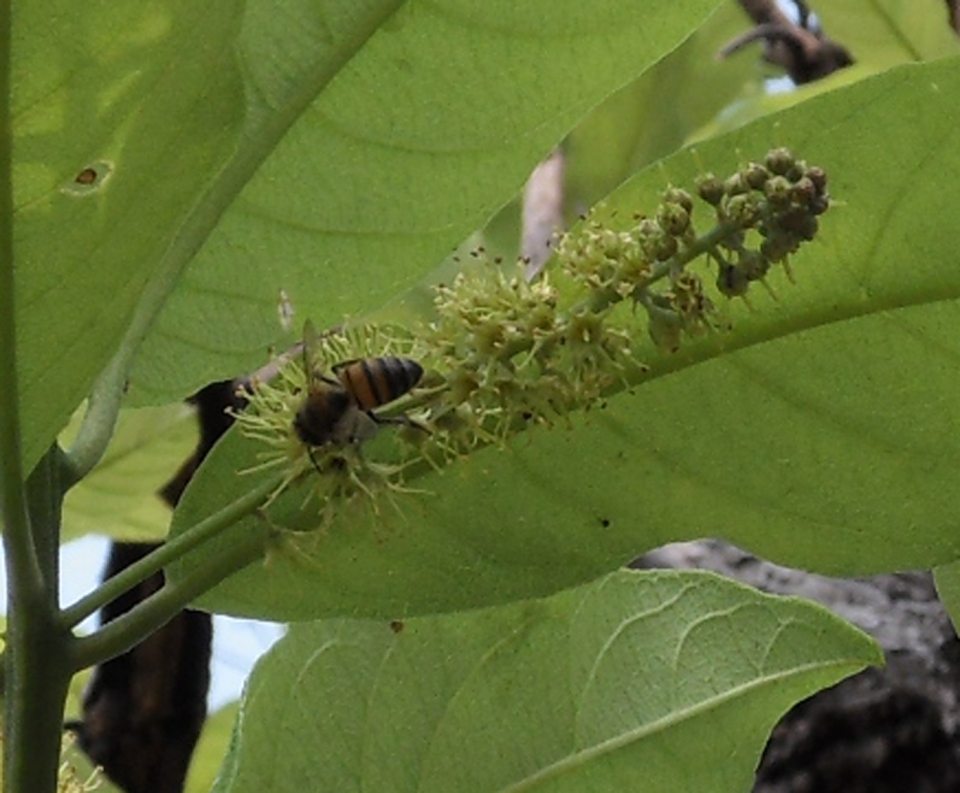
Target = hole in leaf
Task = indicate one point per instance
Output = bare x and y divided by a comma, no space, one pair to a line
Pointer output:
89,179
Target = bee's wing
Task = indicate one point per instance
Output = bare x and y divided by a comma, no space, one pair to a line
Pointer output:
340,365
311,346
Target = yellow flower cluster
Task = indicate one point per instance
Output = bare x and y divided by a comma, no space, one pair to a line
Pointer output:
501,353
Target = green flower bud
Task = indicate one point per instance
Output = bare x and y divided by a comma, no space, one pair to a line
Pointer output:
710,189
756,175
777,190
778,246
732,281
803,191
673,219
753,265
818,176
679,196
779,161
743,210
736,185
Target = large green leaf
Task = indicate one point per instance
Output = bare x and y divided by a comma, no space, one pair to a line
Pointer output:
146,100
818,432
659,681
405,126
354,144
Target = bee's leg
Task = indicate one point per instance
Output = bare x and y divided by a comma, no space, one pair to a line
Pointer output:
402,419
310,450
336,462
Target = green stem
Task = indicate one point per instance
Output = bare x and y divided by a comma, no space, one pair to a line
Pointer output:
173,549
99,420
37,661
22,565
134,626
35,673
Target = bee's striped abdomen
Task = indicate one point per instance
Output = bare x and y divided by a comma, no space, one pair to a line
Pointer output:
373,382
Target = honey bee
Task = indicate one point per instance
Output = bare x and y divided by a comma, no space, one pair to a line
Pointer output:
341,410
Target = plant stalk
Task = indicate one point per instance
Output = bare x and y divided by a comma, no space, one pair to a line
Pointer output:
99,422
128,630
168,552
37,657
36,668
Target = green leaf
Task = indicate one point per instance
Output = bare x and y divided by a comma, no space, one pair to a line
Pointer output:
119,497
815,433
405,126
889,32
666,681
145,100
